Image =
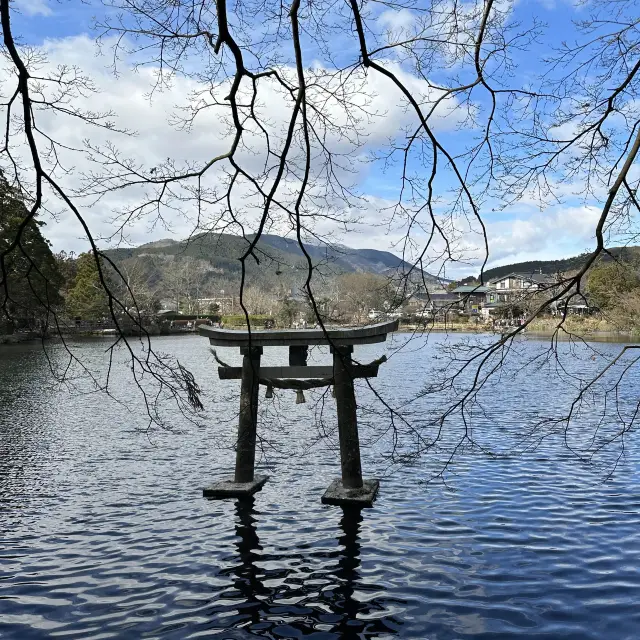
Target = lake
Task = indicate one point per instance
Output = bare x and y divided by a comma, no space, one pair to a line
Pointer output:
104,532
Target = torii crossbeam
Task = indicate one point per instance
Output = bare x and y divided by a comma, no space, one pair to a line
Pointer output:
351,488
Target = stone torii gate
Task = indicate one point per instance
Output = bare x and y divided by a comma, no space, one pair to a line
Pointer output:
350,488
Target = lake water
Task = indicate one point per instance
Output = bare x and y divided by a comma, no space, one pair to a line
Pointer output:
104,532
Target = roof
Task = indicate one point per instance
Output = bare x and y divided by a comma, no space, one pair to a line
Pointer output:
427,295
540,278
442,297
471,288
288,337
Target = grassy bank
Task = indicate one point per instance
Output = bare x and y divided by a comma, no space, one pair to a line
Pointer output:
583,326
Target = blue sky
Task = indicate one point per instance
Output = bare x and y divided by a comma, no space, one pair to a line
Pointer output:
521,231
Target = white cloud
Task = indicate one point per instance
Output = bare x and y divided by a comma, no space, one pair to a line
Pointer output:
554,233
34,7
383,115
400,20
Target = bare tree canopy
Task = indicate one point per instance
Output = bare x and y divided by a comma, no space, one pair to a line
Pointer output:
438,100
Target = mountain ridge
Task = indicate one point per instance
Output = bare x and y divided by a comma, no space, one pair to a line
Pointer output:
562,265
280,261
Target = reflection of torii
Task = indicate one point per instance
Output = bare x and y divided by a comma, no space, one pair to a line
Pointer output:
348,571
248,583
261,604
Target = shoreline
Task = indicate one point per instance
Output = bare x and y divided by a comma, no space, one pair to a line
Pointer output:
596,335
21,338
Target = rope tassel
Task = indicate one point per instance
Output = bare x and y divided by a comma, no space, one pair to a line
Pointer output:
300,399
269,392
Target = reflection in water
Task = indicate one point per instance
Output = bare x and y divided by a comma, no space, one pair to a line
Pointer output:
358,619
270,597
247,580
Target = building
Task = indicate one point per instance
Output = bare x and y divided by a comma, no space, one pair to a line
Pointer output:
474,297
502,295
227,305
440,306
516,286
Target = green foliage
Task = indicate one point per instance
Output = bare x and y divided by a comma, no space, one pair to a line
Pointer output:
288,311
610,282
87,298
66,263
31,288
565,265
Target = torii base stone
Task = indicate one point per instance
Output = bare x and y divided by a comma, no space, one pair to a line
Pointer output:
232,489
338,494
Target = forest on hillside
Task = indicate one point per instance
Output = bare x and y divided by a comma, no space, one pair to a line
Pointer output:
561,266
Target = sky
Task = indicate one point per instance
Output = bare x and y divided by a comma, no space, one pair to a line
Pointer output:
525,230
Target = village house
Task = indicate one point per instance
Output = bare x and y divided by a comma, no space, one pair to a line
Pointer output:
501,293
440,306
474,297
506,293
516,286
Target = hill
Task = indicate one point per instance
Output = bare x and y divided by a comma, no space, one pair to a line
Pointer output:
343,258
625,254
214,261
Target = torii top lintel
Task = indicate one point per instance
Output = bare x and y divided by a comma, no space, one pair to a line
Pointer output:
298,337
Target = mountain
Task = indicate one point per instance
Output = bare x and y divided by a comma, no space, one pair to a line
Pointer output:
565,265
282,264
344,258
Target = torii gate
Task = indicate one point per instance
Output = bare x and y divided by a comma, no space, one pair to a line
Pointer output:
351,488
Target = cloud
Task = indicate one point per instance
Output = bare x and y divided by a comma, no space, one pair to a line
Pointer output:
557,232
513,235
400,20
34,7
378,112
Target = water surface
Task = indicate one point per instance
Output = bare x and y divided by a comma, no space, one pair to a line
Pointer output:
104,533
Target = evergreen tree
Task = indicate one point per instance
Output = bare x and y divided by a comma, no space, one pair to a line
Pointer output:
30,280
87,298
610,282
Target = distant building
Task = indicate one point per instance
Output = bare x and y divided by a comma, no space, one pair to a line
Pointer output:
516,286
502,294
227,305
474,297
439,306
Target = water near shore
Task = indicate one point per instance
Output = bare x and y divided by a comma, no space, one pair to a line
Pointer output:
104,533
